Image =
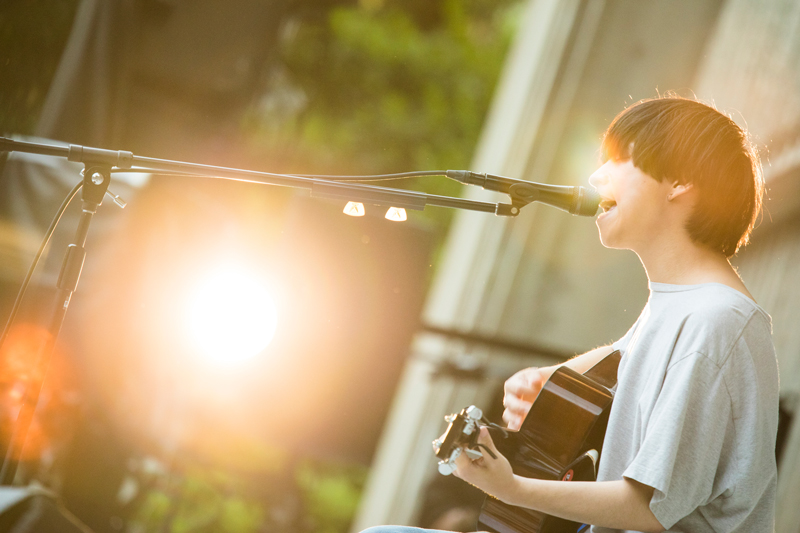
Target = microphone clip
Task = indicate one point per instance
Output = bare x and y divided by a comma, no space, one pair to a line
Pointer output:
522,194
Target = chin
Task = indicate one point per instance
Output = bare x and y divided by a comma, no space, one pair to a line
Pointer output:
604,238
608,241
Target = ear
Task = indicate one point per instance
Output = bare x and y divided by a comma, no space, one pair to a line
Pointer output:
678,189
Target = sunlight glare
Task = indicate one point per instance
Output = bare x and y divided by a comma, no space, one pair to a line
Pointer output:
232,316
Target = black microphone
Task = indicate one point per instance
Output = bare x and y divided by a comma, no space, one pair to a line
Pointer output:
576,200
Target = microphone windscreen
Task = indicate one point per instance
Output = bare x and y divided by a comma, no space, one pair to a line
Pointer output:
588,202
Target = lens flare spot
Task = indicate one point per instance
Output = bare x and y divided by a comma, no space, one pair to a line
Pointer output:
231,317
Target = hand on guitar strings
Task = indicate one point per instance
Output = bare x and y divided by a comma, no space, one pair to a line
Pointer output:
491,473
521,390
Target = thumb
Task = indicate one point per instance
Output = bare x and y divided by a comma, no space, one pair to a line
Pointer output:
485,439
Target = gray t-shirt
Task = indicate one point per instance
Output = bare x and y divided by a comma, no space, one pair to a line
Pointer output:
696,410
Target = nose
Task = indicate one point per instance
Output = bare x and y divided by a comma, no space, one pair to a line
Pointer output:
599,177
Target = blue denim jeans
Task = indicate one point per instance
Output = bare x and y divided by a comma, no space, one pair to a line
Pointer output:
401,529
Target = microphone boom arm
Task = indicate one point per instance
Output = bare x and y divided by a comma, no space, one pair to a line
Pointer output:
323,188
575,200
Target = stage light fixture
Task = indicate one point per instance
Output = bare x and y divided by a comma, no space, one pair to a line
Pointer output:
354,209
397,214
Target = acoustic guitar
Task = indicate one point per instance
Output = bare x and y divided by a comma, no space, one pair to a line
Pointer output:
561,438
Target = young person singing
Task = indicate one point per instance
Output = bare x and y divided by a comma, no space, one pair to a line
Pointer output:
690,444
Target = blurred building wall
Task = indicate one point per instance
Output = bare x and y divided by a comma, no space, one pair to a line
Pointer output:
543,278
752,68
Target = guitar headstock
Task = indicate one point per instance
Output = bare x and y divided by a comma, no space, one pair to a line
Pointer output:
461,435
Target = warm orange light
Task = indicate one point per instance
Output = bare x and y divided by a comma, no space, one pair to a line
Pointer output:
20,375
354,209
398,214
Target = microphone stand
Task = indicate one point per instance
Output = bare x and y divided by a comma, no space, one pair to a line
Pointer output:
96,176
98,166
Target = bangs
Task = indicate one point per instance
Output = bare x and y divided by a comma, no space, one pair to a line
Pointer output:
655,135
614,148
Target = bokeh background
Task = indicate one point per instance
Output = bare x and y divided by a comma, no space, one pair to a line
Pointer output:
137,430
382,327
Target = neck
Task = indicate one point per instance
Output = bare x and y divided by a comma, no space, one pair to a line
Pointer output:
683,262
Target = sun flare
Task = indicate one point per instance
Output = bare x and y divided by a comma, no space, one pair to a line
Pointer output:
232,317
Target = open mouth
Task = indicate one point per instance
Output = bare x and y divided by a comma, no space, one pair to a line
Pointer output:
607,205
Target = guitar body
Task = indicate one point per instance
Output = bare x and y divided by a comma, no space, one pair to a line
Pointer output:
567,420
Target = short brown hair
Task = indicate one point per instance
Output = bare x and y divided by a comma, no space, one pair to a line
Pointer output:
684,140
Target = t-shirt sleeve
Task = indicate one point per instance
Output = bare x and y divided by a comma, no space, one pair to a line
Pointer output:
683,439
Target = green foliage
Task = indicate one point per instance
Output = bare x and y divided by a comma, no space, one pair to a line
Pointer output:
384,89
315,497
331,493
197,501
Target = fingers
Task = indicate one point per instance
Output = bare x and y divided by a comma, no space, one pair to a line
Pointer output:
485,438
512,422
516,409
524,384
521,390
513,417
463,462
516,405
464,465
